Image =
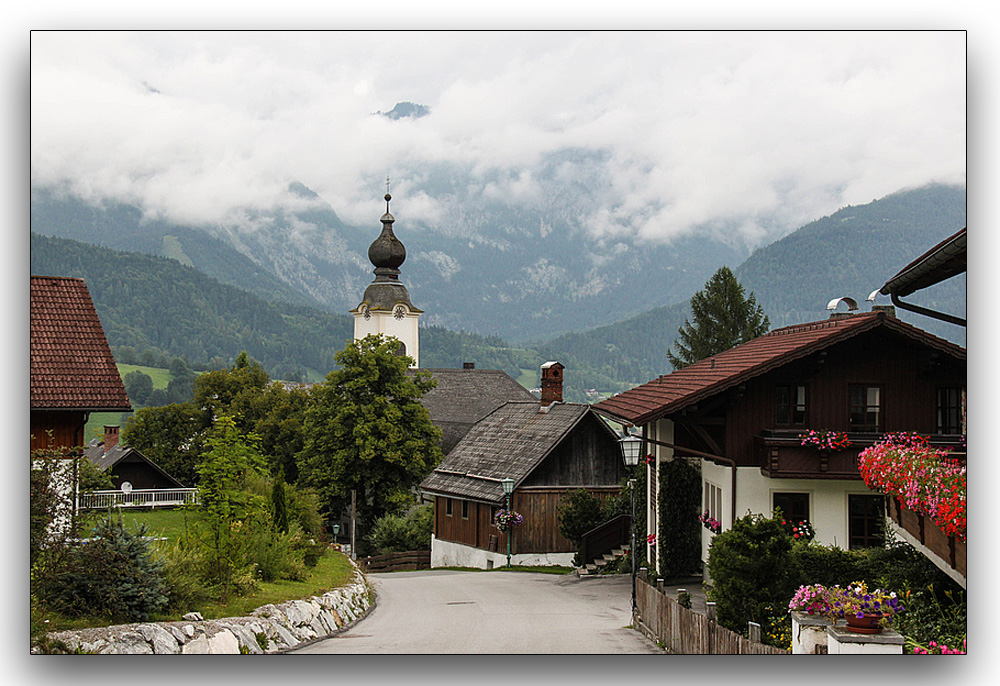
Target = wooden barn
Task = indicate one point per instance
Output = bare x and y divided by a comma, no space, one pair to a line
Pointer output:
72,370
548,448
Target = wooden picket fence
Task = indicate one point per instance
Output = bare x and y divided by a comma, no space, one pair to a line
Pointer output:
685,632
395,562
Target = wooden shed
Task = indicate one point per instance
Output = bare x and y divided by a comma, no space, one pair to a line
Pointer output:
548,451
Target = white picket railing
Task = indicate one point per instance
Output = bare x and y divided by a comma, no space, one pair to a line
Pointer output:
151,497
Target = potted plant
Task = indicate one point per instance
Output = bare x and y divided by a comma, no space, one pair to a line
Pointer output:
865,611
810,609
825,440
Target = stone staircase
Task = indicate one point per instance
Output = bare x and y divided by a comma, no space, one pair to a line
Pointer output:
594,568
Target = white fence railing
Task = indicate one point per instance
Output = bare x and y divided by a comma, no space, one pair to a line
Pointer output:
152,497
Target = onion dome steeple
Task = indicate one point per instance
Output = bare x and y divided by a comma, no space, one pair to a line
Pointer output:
387,252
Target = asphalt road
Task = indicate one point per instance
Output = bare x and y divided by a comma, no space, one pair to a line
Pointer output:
440,611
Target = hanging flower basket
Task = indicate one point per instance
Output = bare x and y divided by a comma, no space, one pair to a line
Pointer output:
505,520
710,523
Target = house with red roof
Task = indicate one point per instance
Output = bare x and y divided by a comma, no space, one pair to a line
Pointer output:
740,416
73,372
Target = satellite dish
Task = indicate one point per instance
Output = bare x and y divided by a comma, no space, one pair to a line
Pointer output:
126,487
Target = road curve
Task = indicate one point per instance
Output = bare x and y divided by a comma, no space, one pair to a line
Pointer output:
452,612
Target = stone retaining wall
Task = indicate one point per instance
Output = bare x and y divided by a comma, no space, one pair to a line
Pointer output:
270,629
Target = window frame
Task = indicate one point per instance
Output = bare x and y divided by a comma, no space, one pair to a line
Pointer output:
873,535
448,507
801,496
940,408
866,427
791,406
465,509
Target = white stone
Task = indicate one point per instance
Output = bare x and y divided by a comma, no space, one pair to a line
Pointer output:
161,640
223,643
808,632
840,641
196,646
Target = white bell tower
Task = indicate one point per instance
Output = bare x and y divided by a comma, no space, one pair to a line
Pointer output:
386,308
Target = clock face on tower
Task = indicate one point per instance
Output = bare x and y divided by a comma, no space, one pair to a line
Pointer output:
399,312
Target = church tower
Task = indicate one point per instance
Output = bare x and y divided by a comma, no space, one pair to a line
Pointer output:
386,308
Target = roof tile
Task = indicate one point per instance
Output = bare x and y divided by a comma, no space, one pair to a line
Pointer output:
72,367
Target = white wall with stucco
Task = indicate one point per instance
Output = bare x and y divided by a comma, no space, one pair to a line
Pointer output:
451,554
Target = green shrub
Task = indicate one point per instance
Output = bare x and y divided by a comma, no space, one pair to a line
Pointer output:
679,537
750,565
184,569
400,533
579,512
114,575
826,565
278,555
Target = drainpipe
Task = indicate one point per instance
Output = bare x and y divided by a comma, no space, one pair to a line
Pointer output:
951,319
718,459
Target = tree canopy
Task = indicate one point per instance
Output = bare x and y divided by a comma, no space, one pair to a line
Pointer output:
366,430
723,318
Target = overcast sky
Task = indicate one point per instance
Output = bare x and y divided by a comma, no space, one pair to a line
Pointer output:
746,130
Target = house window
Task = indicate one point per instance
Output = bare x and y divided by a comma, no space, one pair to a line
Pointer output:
794,506
865,408
791,405
713,501
949,410
465,509
448,506
865,521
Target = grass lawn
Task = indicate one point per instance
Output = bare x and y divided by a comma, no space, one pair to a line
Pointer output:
333,570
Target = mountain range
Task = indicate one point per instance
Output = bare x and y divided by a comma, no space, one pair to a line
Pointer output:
286,302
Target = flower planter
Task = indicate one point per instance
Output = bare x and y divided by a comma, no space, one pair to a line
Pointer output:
868,624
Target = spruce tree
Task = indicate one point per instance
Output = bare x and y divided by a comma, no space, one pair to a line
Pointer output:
722,318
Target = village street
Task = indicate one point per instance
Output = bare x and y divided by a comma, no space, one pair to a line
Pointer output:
440,611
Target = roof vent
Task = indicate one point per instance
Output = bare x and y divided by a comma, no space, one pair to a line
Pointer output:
852,305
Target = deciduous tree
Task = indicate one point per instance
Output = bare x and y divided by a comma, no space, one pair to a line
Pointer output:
366,430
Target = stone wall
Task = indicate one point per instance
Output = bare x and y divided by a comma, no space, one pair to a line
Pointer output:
270,629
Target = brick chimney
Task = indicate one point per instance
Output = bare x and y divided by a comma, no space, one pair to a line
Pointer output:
110,437
552,383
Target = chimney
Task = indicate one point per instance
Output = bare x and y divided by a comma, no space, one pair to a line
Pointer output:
852,306
110,437
890,311
552,383
468,365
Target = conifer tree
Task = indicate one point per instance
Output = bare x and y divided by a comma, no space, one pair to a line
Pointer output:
722,318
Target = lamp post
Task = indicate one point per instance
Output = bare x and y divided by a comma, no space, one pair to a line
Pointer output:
508,488
336,530
631,447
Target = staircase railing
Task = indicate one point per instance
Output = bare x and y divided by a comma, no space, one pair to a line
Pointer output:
605,538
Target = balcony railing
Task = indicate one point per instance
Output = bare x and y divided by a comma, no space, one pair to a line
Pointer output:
152,497
780,454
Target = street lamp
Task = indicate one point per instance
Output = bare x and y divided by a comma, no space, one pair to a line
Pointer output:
336,530
631,447
508,488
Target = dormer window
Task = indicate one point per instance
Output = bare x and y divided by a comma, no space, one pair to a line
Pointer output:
790,405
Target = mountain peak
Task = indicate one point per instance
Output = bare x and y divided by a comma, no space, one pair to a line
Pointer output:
406,109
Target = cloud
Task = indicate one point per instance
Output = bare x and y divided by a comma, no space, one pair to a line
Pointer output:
744,135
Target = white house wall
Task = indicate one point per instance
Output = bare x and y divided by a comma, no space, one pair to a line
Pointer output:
451,554
660,430
754,493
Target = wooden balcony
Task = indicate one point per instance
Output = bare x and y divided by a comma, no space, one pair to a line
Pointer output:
946,552
780,455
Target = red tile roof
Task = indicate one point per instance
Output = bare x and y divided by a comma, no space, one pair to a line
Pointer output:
703,379
71,363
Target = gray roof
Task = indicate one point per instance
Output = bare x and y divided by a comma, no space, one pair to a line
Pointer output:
464,396
509,442
104,461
